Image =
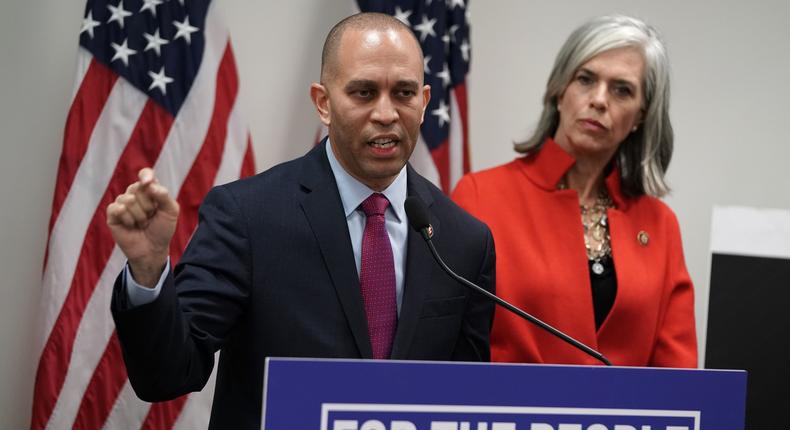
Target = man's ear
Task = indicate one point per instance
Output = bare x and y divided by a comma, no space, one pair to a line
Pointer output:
426,97
320,97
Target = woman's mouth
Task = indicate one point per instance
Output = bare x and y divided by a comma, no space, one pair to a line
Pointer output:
592,124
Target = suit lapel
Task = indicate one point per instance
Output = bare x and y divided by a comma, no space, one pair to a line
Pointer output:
325,213
419,264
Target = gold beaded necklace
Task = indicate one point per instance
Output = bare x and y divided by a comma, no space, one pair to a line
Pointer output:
596,231
597,240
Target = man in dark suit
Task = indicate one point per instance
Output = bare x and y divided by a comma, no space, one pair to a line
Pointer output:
294,262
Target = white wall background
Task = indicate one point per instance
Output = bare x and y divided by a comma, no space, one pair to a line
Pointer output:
729,107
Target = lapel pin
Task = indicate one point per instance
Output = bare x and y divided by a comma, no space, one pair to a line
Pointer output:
643,238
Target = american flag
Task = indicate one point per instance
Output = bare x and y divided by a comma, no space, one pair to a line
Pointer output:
442,27
156,86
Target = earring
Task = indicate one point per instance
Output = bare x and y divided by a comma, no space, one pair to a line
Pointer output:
634,129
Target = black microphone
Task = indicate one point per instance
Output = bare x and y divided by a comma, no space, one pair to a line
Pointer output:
419,219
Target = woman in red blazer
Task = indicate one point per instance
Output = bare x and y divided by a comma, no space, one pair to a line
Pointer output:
582,240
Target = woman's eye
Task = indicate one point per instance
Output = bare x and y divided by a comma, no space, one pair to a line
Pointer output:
622,91
584,79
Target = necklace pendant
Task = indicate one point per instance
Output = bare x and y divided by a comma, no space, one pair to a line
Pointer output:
597,268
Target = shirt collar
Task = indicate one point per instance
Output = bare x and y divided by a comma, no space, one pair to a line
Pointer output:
547,165
353,192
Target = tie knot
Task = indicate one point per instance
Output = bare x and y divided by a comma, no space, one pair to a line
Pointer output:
375,204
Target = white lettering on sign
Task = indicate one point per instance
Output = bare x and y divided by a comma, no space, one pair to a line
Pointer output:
445,417
465,425
373,425
544,426
402,425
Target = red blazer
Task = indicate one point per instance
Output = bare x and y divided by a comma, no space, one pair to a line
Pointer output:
541,267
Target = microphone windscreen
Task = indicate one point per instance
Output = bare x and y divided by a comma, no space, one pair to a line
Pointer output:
417,212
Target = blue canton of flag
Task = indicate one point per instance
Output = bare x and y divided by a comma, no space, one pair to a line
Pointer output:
156,45
442,27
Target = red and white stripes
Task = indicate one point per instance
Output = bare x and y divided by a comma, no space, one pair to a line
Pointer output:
112,131
451,158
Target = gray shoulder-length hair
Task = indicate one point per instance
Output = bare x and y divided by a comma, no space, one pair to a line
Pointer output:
644,155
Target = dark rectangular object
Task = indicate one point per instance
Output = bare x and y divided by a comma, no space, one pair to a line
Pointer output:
749,328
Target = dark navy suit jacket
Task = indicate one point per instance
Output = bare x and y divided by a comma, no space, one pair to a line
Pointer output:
270,272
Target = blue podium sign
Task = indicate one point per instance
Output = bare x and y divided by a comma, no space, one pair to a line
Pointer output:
330,394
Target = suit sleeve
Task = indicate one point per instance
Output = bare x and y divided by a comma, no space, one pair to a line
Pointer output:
676,339
169,344
474,342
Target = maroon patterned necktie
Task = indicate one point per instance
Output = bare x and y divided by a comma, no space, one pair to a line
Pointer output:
377,277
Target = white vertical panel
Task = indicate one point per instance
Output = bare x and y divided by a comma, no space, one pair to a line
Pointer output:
740,230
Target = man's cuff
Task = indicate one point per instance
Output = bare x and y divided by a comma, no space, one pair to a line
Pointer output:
139,295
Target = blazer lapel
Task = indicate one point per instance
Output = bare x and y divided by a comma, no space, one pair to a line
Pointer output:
419,265
324,212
